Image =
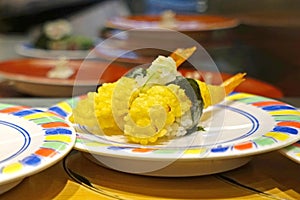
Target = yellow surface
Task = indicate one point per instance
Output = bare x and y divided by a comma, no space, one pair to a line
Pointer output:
271,173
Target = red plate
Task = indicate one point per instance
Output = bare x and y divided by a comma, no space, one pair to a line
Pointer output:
183,22
30,76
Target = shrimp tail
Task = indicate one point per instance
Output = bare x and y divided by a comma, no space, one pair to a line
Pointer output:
213,94
234,81
180,55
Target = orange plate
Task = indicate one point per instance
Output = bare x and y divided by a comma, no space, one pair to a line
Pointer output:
184,22
30,75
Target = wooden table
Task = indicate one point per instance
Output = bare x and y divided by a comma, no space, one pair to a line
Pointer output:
267,176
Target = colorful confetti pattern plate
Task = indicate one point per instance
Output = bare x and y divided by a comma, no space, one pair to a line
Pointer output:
243,126
30,141
293,151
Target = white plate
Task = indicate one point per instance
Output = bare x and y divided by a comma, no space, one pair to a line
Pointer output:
27,50
30,141
293,151
243,126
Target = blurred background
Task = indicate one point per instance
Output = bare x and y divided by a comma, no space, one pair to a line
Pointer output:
265,44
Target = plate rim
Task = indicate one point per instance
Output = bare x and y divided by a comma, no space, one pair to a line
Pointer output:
26,49
32,115
230,23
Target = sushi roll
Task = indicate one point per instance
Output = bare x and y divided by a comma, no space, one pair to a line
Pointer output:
147,105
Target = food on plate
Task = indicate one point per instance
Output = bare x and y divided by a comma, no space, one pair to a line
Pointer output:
168,19
58,35
147,105
61,70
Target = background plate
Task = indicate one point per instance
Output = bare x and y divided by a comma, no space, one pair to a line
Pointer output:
27,50
30,76
183,23
293,152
